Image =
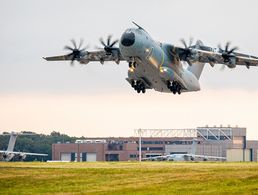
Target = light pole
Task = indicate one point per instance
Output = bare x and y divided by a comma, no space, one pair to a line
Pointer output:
140,144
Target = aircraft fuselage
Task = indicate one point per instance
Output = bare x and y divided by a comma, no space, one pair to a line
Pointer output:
155,63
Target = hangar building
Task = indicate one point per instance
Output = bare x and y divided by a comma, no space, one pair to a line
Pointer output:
229,142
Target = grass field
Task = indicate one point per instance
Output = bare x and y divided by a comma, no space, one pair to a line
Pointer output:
128,178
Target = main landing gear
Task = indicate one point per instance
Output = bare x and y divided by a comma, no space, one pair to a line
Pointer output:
138,86
174,87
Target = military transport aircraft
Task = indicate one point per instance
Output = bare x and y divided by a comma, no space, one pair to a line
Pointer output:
185,156
9,154
158,66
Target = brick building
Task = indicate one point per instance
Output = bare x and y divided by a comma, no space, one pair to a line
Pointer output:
229,142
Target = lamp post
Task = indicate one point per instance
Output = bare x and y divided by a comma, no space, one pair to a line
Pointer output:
140,144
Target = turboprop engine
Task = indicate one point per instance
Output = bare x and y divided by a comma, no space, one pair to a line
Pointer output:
21,157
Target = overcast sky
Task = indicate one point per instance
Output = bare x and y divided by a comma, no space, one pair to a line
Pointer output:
95,100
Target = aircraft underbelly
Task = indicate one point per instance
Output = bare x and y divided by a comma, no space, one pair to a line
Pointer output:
151,74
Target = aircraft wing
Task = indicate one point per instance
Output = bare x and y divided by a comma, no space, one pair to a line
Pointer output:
155,158
234,59
58,58
89,56
26,153
247,61
205,157
33,154
214,56
108,53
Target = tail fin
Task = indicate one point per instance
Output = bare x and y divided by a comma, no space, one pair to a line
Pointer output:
194,145
197,68
12,141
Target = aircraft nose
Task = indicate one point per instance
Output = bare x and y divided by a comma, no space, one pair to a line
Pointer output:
128,39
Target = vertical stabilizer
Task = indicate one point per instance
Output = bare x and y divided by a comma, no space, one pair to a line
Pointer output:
12,141
197,68
194,145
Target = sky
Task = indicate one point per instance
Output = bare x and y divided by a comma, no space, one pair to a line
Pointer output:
96,100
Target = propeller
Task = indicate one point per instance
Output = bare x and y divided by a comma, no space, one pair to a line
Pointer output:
76,51
227,53
108,46
187,52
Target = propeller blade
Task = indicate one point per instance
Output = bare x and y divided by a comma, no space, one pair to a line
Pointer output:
70,54
108,46
74,43
183,42
227,53
80,44
115,42
102,42
76,53
232,50
219,47
72,62
68,48
108,40
227,46
85,48
191,41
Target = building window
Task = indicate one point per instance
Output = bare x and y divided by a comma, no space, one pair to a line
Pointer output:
156,148
133,155
83,157
152,142
115,146
112,157
150,148
73,157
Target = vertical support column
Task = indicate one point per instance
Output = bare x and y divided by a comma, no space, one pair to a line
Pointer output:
140,144
244,148
78,153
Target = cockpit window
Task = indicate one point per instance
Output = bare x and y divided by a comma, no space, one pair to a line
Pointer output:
128,39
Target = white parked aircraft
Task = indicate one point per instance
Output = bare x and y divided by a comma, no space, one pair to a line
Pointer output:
192,157
158,66
9,154
185,157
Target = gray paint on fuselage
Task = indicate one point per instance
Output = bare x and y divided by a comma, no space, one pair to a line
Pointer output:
150,56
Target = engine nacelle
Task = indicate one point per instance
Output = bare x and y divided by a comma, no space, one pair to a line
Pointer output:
21,157
8,156
232,63
166,73
231,66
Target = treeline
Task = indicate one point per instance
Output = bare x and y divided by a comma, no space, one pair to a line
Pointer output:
36,143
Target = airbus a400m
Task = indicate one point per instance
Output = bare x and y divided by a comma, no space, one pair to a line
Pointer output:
156,65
